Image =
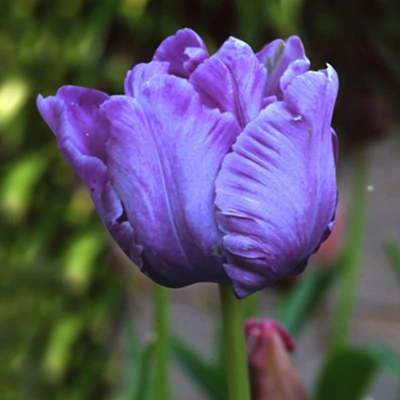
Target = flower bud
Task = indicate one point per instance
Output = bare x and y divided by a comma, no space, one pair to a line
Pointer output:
272,375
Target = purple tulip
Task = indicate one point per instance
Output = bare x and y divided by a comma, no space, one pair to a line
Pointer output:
210,168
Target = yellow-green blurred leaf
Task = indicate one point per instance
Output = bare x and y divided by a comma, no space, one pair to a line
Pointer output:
13,94
80,259
81,206
18,186
60,346
132,9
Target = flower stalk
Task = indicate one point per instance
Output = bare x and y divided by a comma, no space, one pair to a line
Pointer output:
235,347
162,345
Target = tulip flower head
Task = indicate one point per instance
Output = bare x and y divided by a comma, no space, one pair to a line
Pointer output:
210,168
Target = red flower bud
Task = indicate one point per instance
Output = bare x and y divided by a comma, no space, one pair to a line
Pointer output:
272,375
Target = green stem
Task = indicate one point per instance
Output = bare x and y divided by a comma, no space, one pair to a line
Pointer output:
350,272
162,344
235,347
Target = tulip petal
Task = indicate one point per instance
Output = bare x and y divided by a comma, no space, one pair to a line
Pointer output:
184,51
284,61
141,74
73,116
276,192
232,80
164,153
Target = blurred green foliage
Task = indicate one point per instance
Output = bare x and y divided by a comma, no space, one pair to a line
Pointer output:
60,302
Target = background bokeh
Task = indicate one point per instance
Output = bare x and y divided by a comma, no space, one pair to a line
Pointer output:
68,299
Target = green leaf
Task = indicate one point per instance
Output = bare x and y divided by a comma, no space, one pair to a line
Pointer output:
208,377
346,374
59,349
136,368
388,359
304,298
80,259
14,92
146,373
18,186
393,254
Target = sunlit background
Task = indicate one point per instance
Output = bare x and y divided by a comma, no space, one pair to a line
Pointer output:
74,314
